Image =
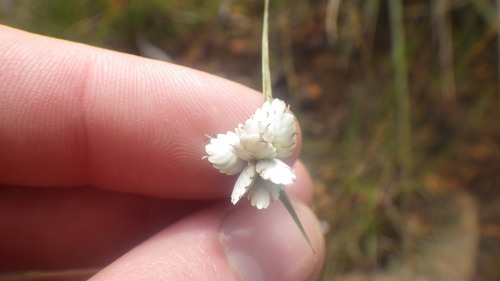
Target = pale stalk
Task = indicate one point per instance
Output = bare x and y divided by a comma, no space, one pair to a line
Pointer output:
266,73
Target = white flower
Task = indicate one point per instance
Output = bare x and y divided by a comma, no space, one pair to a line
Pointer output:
254,150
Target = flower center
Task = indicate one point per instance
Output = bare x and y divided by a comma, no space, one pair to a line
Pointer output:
254,147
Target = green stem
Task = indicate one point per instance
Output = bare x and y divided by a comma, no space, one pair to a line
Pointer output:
401,91
399,64
266,73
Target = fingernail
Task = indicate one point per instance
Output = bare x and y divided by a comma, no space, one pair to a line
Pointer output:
267,245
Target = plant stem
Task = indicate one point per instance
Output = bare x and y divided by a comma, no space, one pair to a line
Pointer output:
266,73
403,123
399,64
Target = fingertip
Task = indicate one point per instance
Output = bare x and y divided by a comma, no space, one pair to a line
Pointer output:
188,250
302,188
268,245
225,242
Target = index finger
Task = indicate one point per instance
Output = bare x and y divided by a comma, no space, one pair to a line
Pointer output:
75,115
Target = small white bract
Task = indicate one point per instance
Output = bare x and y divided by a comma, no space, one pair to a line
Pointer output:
254,150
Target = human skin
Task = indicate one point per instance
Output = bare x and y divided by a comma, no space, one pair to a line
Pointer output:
101,167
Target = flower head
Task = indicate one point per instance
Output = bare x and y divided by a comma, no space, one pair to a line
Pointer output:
254,150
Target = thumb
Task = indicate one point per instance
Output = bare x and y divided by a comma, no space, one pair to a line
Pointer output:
227,243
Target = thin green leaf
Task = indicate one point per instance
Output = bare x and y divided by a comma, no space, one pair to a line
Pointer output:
266,73
288,205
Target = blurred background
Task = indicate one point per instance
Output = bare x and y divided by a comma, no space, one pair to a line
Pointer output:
398,101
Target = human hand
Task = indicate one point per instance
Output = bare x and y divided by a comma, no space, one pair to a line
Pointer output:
100,166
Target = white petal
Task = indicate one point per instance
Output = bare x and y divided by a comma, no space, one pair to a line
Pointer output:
253,147
258,124
262,114
274,124
283,128
278,106
243,183
254,126
263,193
275,170
285,135
221,154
